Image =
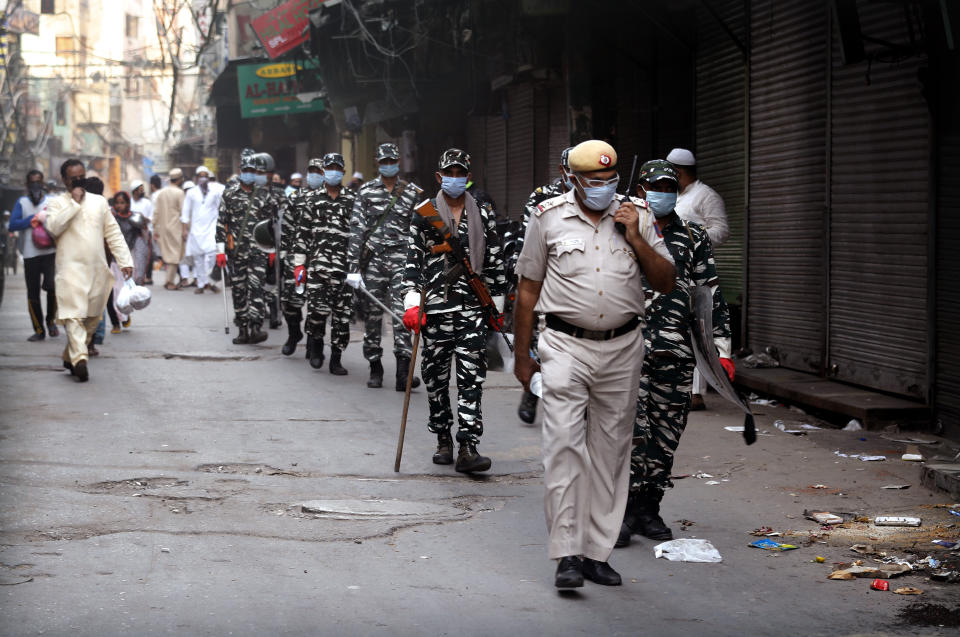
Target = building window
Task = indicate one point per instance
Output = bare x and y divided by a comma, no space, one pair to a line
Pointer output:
131,26
65,46
47,6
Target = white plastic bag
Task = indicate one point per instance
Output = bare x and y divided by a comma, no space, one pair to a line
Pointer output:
124,300
140,297
688,550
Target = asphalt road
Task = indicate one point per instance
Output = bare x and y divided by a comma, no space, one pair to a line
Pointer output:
165,497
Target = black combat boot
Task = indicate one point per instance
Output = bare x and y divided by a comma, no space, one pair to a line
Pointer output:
629,520
309,348
316,353
335,367
444,454
527,411
256,336
376,374
470,460
294,334
403,371
243,337
275,321
647,520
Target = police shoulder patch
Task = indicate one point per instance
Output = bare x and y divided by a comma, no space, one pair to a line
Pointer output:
553,202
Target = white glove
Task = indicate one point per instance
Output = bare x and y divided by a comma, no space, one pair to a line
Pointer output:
221,248
355,281
411,299
723,347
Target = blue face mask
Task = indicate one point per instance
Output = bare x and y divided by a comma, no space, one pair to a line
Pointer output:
389,170
453,186
661,203
314,180
260,180
248,177
332,177
598,198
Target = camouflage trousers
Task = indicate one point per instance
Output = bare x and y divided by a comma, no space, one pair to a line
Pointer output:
462,335
248,272
662,407
327,295
383,278
290,301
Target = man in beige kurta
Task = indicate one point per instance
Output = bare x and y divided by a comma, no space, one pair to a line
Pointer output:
80,222
167,227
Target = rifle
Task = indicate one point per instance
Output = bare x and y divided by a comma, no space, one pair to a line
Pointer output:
631,185
452,244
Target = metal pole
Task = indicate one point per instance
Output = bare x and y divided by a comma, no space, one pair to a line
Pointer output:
406,396
226,312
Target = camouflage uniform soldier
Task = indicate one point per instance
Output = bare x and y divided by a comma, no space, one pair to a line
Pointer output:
292,213
240,210
664,397
453,324
321,255
378,249
273,193
527,410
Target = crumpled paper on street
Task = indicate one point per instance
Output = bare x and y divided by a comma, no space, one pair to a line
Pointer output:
688,550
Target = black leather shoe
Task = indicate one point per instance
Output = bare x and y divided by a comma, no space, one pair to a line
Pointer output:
67,366
243,337
600,573
569,572
80,371
335,367
651,525
256,336
444,454
376,375
316,354
527,411
623,539
39,336
470,460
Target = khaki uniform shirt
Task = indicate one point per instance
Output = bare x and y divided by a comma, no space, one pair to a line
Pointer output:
589,273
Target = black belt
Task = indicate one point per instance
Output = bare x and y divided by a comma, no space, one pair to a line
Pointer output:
556,323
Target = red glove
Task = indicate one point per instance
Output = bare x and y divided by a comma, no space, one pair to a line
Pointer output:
299,274
413,319
271,259
496,322
728,367
222,260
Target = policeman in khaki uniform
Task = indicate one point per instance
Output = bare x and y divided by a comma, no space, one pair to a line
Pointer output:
586,278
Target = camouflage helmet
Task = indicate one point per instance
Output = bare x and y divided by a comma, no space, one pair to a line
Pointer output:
657,169
388,150
247,160
333,159
264,162
316,162
264,237
565,158
454,157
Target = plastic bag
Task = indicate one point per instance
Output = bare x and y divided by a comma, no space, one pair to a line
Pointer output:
132,297
140,297
688,550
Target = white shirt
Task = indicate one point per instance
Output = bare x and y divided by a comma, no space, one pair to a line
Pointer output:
144,206
201,211
701,204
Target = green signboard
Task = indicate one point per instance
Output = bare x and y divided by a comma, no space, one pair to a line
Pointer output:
279,88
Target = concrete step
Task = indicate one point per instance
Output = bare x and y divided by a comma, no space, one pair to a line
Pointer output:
873,409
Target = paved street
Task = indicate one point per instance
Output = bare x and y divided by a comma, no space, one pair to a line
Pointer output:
164,497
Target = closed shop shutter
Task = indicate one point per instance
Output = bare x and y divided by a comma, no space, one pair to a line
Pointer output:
559,127
879,210
785,243
947,394
477,147
496,165
721,135
551,130
520,151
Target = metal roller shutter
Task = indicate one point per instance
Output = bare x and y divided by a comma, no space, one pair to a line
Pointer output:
496,166
477,147
551,132
519,159
947,394
721,140
785,240
559,127
879,210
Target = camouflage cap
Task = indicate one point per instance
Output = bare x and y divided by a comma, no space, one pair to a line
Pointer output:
454,157
316,162
247,158
333,159
388,150
565,157
657,169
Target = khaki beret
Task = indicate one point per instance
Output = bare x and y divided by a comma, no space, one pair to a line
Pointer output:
591,155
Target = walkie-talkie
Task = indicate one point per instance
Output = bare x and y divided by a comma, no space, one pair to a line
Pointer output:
622,229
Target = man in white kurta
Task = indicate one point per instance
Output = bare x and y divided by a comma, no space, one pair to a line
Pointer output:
81,222
201,205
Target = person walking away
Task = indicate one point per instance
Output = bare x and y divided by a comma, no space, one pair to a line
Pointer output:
198,218
80,223
586,277
167,229
452,321
39,263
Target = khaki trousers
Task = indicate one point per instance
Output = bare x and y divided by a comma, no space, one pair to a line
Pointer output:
586,460
171,269
79,332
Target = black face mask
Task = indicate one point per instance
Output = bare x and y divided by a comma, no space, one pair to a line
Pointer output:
35,190
78,182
